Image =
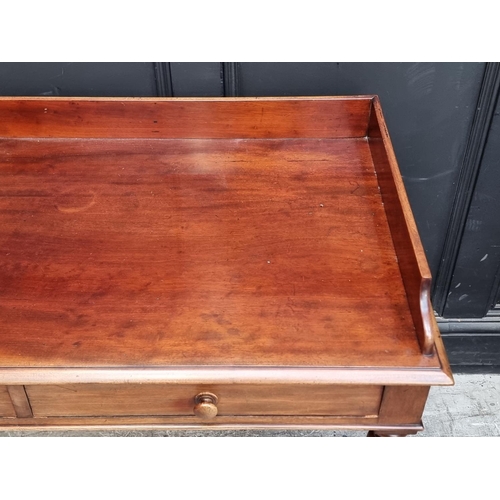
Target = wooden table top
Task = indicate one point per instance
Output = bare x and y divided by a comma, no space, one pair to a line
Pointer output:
165,252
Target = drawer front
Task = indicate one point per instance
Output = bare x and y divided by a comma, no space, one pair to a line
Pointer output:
6,406
85,400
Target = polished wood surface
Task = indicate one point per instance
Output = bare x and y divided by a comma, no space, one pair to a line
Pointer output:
202,252
320,375
20,401
411,256
402,405
6,407
262,250
228,118
135,399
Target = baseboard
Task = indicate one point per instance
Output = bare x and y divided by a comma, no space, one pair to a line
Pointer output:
475,369
473,345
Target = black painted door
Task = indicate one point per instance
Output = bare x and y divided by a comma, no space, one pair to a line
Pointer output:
444,119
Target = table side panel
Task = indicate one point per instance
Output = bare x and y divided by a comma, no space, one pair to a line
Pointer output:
411,256
403,405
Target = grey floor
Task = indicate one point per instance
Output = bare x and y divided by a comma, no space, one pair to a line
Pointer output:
470,408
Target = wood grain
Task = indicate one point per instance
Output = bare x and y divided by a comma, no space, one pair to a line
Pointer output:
19,401
403,405
6,408
411,256
262,250
204,252
134,399
304,117
232,374
410,253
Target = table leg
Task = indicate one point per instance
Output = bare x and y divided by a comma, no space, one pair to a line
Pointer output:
386,434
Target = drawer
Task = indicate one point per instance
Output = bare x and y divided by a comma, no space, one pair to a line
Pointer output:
85,400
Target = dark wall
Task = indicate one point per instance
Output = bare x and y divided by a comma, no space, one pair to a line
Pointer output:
445,125
428,107
77,79
474,286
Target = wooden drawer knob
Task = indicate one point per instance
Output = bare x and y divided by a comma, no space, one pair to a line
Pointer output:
205,405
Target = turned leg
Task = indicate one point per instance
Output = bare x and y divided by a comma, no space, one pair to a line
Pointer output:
377,434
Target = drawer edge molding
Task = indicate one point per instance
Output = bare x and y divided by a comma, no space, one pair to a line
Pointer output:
228,374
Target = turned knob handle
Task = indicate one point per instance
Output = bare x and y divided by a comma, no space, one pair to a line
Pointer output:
205,405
